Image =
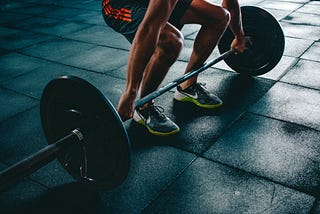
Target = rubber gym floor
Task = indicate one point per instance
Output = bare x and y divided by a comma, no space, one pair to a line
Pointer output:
260,153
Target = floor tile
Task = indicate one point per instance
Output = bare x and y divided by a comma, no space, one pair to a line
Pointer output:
99,59
282,5
303,18
33,9
301,31
9,5
304,73
21,136
291,103
207,187
62,13
63,199
21,195
281,68
296,47
101,35
22,39
152,169
280,151
310,8
14,103
37,23
313,52
14,64
89,17
25,83
57,49
8,19
278,14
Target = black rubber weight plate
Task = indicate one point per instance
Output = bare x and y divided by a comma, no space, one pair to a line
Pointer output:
267,43
103,160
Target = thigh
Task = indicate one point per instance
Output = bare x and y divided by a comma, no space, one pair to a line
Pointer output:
202,12
178,12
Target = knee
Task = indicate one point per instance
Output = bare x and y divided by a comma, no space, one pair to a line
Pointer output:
224,18
171,44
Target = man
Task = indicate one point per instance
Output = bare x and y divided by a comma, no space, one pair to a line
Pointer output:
153,27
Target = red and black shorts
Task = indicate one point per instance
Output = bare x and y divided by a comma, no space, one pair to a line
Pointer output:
124,16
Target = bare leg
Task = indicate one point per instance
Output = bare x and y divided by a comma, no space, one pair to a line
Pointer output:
214,20
167,51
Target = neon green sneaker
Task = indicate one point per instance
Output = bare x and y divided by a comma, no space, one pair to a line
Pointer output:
197,94
155,121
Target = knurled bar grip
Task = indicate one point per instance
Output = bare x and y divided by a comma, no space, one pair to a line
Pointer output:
37,160
180,80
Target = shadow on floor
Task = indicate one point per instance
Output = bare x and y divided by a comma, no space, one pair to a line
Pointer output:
68,198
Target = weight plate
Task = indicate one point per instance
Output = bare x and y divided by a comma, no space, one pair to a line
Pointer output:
267,43
102,159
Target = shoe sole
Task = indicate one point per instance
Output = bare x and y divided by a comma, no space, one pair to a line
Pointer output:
138,120
156,132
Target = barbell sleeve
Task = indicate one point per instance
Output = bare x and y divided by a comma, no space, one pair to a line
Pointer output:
30,164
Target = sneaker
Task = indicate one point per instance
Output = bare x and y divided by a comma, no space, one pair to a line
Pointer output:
155,121
197,94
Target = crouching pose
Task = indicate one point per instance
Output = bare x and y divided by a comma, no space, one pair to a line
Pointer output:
153,27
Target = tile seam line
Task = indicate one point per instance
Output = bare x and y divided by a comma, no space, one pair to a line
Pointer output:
285,121
300,23
18,92
314,195
60,63
224,131
62,37
293,11
306,50
17,114
67,19
287,70
165,187
297,85
30,4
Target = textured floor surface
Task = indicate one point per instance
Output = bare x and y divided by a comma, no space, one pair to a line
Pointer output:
260,153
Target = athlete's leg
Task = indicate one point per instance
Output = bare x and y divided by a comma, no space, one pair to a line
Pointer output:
213,20
167,51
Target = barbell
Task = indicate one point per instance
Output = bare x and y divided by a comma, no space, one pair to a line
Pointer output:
85,132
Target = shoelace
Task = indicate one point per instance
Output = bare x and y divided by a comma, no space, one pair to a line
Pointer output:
201,88
156,111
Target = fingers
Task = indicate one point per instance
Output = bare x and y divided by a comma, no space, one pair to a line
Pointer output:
239,45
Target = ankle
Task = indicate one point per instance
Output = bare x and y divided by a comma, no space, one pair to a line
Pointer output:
186,84
146,105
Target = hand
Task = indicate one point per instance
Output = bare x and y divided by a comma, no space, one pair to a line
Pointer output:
126,106
239,44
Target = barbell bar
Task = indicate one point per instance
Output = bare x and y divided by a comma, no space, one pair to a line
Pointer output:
85,132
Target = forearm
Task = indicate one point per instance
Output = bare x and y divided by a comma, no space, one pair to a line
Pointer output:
236,20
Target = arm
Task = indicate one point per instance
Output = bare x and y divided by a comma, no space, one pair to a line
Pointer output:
142,48
235,24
